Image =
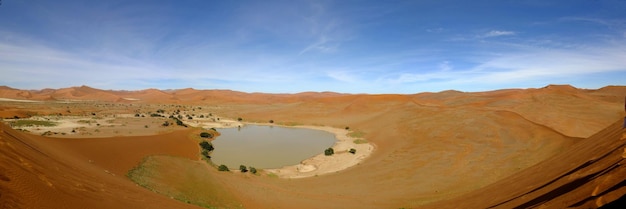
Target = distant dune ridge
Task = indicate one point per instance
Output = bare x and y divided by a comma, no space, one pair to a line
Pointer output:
553,147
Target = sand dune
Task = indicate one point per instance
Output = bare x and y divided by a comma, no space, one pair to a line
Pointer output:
552,147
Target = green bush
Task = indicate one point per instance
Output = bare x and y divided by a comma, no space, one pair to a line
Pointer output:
205,153
207,146
222,168
243,168
252,170
329,152
352,150
206,135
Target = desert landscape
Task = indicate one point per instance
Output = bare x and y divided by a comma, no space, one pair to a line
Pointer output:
79,147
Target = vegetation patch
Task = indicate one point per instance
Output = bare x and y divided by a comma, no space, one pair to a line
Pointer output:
184,180
87,121
356,134
22,123
360,141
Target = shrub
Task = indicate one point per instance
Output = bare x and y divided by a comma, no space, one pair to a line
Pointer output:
205,135
271,121
329,152
252,170
243,168
179,122
166,123
222,168
352,150
239,119
207,146
347,127
205,153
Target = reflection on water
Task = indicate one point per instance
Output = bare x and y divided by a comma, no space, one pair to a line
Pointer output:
268,146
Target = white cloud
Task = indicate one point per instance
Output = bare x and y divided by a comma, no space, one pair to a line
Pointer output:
496,33
445,66
522,67
321,45
342,76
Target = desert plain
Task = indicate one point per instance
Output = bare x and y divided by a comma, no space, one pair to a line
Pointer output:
80,147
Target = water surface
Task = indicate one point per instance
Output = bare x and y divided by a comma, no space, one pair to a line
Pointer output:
268,146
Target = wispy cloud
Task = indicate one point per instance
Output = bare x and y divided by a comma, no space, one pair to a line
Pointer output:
342,76
496,33
321,45
525,66
445,66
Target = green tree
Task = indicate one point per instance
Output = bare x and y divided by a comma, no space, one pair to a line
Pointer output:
252,170
207,146
206,135
205,153
243,168
329,151
222,168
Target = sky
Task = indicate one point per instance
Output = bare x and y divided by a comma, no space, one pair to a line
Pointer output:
297,46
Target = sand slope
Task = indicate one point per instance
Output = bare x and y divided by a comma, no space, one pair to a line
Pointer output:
587,175
38,173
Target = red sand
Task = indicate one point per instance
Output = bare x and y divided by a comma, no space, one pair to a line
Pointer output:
504,149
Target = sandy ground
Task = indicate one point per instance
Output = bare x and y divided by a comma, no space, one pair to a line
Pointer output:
89,126
322,164
508,148
16,100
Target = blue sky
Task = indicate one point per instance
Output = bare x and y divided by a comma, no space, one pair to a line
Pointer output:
296,46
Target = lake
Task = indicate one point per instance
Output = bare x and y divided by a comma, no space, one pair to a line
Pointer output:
268,146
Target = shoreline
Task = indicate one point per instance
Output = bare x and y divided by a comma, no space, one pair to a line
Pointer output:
317,165
321,164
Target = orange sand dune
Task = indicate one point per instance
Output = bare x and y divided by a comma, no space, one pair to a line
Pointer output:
559,146
589,174
37,172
